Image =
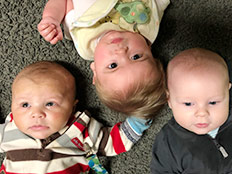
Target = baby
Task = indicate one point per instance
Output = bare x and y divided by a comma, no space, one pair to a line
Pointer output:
117,36
44,134
198,139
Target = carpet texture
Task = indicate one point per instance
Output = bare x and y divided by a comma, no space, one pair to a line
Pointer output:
186,24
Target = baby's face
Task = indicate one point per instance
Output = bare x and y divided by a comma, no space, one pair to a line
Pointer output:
122,58
41,107
199,101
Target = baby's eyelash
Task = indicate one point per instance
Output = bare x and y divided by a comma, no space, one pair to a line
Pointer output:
213,102
136,56
25,105
188,104
112,65
50,104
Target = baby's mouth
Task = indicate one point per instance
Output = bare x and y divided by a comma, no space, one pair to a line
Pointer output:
116,40
38,127
202,125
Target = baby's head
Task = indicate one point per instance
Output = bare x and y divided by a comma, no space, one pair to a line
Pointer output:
198,90
43,99
127,77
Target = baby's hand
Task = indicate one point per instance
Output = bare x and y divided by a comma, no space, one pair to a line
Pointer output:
50,29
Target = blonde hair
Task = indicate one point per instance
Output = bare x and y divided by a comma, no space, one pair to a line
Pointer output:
143,99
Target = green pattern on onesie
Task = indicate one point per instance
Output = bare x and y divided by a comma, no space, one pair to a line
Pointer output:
134,12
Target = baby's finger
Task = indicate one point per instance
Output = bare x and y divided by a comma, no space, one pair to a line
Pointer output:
56,38
54,41
50,35
42,26
48,30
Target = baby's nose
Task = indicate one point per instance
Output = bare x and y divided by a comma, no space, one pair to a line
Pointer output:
202,112
121,49
38,113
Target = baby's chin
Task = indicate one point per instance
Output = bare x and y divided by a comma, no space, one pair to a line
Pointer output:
201,132
39,135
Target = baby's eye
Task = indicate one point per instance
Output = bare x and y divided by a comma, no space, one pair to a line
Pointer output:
25,105
136,56
188,104
50,104
112,65
212,102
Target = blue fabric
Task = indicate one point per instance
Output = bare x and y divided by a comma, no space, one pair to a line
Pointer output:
213,133
138,124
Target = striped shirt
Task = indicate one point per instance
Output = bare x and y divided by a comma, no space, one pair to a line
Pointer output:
65,151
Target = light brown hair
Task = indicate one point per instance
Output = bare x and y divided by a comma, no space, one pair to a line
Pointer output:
196,58
46,69
143,99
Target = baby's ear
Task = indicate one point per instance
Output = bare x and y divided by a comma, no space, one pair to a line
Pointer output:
168,98
75,102
75,105
92,67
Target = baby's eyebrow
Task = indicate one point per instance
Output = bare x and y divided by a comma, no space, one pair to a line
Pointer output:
180,99
145,57
55,97
20,98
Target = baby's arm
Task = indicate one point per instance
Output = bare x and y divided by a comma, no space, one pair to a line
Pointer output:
3,130
122,136
163,158
53,14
